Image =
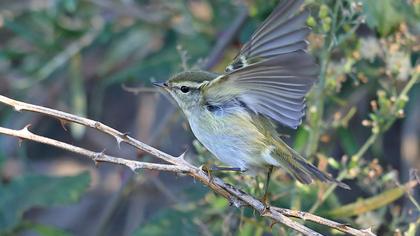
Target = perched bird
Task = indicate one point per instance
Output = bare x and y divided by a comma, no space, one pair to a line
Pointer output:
232,114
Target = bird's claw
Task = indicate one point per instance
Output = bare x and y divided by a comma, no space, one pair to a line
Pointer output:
208,170
266,202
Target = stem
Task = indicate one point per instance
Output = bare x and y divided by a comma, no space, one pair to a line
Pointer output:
319,104
319,92
374,136
368,143
365,147
328,192
314,218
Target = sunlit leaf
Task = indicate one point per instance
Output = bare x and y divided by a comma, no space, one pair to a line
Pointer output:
373,203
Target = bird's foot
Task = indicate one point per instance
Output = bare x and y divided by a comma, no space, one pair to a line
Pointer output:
208,170
266,202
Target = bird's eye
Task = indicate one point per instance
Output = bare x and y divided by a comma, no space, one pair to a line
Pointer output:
185,89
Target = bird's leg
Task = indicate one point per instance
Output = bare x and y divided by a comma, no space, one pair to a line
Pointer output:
265,199
208,169
224,168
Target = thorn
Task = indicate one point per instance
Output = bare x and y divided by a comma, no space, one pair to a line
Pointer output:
119,141
121,138
134,169
125,134
26,128
97,156
182,156
63,124
272,224
17,108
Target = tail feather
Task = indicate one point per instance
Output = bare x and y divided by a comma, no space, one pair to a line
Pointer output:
315,173
305,172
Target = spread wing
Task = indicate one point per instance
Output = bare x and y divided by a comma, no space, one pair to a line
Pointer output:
272,73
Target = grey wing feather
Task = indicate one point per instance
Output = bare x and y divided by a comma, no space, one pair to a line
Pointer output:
273,67
277,87
283,31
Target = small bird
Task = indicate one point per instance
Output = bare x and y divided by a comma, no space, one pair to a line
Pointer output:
233,114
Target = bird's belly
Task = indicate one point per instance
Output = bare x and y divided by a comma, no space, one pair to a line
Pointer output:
226,149
233,143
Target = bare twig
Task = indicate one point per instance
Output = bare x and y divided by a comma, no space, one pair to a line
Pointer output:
374,136
95,156
317,219
368,143
235,196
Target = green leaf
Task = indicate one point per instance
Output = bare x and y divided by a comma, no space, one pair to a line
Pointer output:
382,15
301,139
370,204
38,191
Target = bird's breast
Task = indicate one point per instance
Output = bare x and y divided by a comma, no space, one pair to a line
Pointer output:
229,135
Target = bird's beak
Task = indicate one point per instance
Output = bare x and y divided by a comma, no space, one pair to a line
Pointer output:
162,85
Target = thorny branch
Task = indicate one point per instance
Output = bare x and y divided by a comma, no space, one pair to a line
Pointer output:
235,196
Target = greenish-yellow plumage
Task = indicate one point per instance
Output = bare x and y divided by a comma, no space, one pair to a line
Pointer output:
233,114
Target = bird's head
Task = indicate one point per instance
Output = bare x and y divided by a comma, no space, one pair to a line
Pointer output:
187,88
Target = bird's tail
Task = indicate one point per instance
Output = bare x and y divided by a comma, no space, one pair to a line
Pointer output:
305,172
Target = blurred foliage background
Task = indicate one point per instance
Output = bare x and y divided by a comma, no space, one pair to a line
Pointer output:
96,58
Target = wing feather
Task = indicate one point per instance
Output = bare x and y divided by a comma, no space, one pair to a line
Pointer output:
282,32
272,73
279,41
